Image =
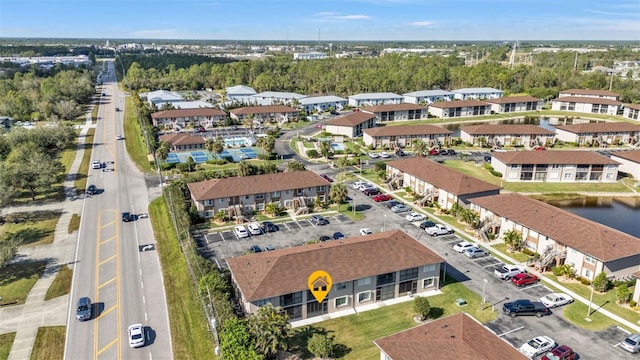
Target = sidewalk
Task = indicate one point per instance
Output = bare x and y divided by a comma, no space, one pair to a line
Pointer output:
36,312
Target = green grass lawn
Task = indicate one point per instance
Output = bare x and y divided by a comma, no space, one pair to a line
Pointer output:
49,344
80,183
17,279
190,335
36,228
517,257
61,285
74,224
134,138
354,334
67,157
6,341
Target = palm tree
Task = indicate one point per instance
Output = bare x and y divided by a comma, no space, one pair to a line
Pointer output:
248,121
163,150
244,168
325,149
266,144
215,146
513,239
419,147
338,194
295,166
271,329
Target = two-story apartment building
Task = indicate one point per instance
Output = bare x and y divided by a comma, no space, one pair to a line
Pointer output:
352,124
584,104
322,103
437,182
629,162
555,166
515,104
265,114
560,236
631,111
602,94
240,94
395,112
600,133
459,108
183,142
404,135
159,97
426,97
276,98
245,194
181,118
389,266
371,99
506,134
477,93
457,336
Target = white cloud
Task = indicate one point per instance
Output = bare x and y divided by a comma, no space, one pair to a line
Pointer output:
608,12
421,23
352,17
327,15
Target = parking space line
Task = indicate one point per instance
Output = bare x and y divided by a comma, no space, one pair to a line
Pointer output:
530,287
510,331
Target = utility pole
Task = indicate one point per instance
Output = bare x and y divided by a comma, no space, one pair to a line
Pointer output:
575,63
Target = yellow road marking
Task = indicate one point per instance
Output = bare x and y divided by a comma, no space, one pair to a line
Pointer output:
107,283
107,260
106,347
104,313
118,319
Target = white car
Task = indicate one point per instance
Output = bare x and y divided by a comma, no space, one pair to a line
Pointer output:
366,186
374,155
385,155
119,137
414,216
254,228
96,164
536,346
136,335
365,231
556,299
241,231
462,246
357,184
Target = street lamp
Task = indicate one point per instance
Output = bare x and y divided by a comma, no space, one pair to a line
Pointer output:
590,302
483,288
444,278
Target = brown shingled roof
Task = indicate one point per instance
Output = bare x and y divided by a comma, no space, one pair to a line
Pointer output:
600,127
394,107
631,155
353,119
587,100
256,184
576,157
633,106
284,271
589,92
182,139
398,130
178,113
586,236
457,336
441,176
263,110
505,129
458,103
513,99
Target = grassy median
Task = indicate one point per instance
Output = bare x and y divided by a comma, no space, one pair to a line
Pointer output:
61,285
49,344
190,335
6,342
17,279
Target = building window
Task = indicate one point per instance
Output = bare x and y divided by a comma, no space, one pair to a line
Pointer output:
290,299
260,206
429,268
384,279
341,301
208,203
341,286
275,194
587,273
320,188
209,213
568,175
263,302
364,296
409,274
428,282
364,282
259,196
590,260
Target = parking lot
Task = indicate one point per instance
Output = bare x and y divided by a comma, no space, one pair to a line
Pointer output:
219,245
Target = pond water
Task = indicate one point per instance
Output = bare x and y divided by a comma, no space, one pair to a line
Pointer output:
622,213
548,123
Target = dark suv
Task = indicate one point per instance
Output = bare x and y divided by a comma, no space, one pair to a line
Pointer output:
126,217
92,190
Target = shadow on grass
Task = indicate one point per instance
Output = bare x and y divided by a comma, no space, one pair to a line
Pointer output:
300,340
21,270
32,216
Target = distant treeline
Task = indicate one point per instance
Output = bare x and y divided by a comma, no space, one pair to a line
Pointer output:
548,74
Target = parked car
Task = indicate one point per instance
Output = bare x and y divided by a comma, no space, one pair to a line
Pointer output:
443,152
268,226
400,152
365,231
326,177
385,155
136,335
631,343
324,238
371,191
487,158
439,229
400,208
96,164
451,152
525,307
269,248
474,252
374,155
382,197
556,299
462,246
241,231
366,187
536,346
92,189
255,249
427,224
507,271
318,220
539,148
414,216
83,309
524,279
338,235
392,203
357,184
562,352
254,228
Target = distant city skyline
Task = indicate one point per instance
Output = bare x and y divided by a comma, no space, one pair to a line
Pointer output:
330,20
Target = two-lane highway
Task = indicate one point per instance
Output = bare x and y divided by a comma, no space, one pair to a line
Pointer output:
112,267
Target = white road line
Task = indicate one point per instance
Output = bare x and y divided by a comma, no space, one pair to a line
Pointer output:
146,318
142,284
150,356
510,331
144,300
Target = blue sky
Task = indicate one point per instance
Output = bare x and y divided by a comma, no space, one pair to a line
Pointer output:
332,19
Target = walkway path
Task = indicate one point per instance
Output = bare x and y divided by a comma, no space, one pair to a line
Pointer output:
36,312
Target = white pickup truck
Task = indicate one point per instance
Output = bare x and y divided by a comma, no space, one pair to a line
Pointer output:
506,272
439,229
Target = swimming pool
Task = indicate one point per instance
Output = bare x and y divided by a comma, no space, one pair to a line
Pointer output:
239,141
337,146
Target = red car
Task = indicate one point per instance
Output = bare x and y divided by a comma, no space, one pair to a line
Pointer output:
539,148
524,279
434,152
382,197
562,352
